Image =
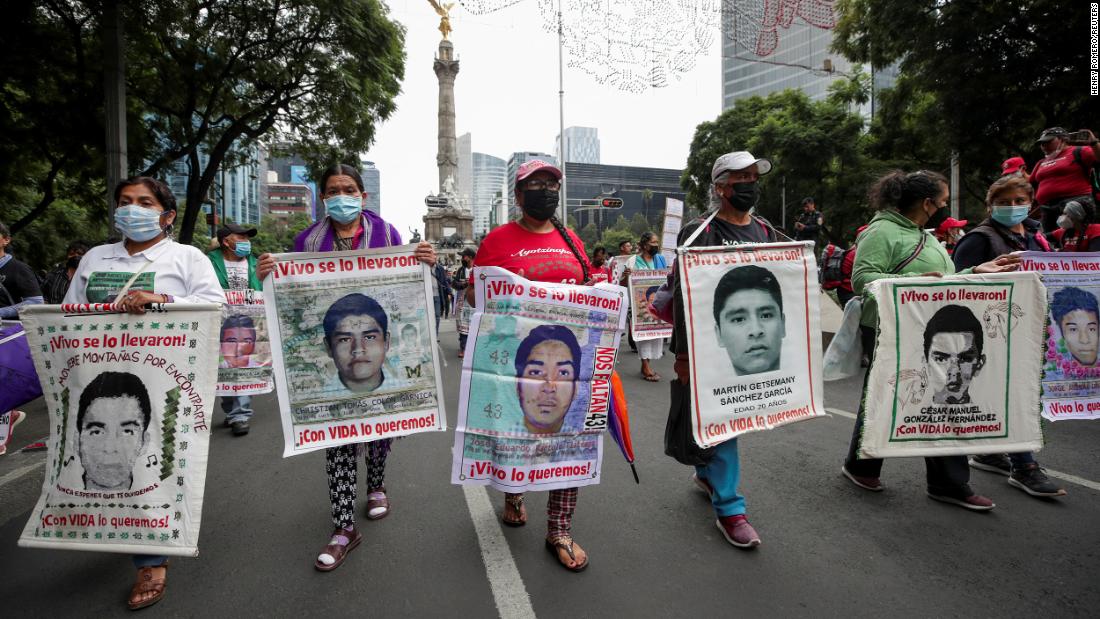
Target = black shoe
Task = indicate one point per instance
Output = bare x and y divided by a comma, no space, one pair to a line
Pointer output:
240,428
1032,480
994,463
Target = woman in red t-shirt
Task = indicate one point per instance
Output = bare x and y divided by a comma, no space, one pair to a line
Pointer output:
1063,173
539,248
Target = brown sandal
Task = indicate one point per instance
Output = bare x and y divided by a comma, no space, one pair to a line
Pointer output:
513,506
146,583
375,500
343,542
564,541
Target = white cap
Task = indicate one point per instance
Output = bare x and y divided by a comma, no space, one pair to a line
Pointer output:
738,161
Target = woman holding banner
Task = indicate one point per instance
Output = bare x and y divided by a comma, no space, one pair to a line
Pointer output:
648,258
1006,230
348,226
540,233
896,244
146,267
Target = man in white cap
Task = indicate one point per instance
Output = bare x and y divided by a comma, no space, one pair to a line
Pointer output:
734,193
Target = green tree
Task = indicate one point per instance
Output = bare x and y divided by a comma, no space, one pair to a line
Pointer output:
982,77
816,149
613,236
216,76
639,224
590,236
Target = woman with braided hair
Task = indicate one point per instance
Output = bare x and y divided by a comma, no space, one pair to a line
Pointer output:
539,248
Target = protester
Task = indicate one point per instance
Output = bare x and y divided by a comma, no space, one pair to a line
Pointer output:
626,248
734,194
147,266
440,283
236,269
57,280
949,232
648,258
619,270
809,223
18,285
1006,230
1015,166
1077,227
895,244
601,272
543,236
1063,174
459,283
347,225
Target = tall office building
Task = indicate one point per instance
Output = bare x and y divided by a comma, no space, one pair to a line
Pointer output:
235,194
488,175
760,61
582,145
464,184
372,185
514,162
643,191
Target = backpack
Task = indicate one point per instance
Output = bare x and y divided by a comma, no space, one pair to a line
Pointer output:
1090,173
831,274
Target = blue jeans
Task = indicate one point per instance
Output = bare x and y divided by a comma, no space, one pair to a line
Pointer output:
723,473
438,313
237,408
141,561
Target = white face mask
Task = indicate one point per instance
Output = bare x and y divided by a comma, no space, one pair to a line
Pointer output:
137,223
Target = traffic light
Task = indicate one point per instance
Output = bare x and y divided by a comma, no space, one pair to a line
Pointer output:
611,203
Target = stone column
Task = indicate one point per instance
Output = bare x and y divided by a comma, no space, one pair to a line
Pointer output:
446,68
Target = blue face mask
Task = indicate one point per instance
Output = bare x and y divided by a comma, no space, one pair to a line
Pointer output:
343,209
243,248
1010,215
137,223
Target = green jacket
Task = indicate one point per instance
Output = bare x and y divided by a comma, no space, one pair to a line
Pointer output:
888,241
218,260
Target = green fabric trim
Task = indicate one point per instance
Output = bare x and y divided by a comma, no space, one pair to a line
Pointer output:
218,260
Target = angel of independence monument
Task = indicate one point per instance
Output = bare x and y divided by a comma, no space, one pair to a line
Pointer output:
449,224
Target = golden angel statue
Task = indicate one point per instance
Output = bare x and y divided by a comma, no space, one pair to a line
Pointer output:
444,12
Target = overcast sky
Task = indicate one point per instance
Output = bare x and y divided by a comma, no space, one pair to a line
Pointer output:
506,96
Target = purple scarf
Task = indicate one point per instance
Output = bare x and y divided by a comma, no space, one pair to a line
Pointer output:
321,236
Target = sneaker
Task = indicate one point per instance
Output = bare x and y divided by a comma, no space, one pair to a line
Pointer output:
703,485
738,531
240,428
974,502
39,445
14,419
1032,480
994,463
867,483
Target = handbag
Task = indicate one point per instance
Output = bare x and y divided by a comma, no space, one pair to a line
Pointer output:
679,440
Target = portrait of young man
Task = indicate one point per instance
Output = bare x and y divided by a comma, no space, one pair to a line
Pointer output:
1076,313
112,418
953,357
238,342
748,319
357,339
547,365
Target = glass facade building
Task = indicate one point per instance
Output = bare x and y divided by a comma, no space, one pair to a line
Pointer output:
582,145
372,185
488,174
643,190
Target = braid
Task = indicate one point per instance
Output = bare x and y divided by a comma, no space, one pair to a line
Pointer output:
572,246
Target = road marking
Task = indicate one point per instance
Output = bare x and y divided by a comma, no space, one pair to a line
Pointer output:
509,593
20,472
1073,479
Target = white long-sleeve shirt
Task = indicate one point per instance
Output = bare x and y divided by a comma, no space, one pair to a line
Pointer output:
174,269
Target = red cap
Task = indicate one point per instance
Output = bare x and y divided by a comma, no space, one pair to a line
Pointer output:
1014,164
949,223
530,167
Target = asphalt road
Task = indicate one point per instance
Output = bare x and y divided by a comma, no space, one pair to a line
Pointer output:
829,549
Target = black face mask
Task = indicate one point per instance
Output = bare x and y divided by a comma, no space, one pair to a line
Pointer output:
937,218
651,250
744,196
540,204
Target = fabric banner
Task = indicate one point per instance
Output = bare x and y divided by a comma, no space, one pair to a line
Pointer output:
754,337
644,324
670,230
131,400
957,366
353,341
1071,374
17,375
536,383
244,363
